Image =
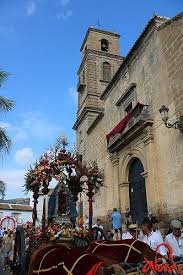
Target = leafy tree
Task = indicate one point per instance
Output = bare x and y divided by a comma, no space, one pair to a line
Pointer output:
5,142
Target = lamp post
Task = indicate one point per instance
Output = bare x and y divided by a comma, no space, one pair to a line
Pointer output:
178,124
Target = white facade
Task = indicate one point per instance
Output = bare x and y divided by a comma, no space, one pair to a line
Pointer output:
21,213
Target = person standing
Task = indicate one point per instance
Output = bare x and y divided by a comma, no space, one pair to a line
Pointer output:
1,235
150,237
128,217
116,223
155,226
7,247
175,239
99,233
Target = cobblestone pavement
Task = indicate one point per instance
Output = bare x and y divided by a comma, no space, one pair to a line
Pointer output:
1,267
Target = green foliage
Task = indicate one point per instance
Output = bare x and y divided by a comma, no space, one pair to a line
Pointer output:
30,177
5,141
3,76
5,106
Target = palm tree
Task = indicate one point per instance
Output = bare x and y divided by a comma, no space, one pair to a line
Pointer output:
5,106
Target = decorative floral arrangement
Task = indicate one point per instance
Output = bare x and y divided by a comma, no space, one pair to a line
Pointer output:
34,235
81,238
64,166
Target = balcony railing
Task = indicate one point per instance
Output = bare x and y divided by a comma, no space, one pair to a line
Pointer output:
139,116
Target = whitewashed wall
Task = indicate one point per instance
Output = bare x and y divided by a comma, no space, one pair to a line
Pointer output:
20,216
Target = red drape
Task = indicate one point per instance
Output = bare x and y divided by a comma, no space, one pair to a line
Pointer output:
94,269
119,128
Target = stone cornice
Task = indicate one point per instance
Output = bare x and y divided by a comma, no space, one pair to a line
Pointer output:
95,122
97,53
170,20
86,97
83,114
125,94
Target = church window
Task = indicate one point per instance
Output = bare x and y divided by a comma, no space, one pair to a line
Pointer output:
104,45
106,71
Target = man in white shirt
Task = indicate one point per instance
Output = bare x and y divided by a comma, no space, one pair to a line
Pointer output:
126,234
98,233
131,233
155,226
175,239
150,237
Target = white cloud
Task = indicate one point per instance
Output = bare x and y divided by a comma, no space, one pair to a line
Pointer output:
64,15
73,94
32,124
31,8
4,124
24,156
14,179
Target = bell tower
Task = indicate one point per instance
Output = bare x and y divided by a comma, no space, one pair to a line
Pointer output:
100,61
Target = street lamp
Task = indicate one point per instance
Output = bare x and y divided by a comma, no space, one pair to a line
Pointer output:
178,124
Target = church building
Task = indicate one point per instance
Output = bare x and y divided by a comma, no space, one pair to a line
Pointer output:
119,124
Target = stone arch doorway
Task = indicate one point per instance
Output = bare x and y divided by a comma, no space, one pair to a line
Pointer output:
137,191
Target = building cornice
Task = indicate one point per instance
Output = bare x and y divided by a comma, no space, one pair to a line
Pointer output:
125,94
95,122
83,114
171,20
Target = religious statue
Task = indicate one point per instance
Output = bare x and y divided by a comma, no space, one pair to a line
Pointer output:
61,208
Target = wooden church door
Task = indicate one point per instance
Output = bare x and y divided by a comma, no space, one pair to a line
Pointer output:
137,191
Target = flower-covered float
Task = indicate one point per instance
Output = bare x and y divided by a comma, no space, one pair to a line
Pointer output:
73,177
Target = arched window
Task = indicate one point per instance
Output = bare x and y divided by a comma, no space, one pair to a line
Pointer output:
104,45
106,71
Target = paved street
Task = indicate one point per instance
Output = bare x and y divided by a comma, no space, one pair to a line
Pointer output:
1,267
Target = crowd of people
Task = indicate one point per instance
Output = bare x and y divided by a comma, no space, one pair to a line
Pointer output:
148,232
122,229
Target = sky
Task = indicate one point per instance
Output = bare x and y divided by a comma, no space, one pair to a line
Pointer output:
40,48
